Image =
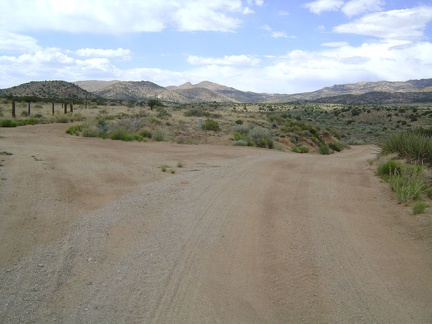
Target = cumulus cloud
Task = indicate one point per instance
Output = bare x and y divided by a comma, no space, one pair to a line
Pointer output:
357,7
95,52
320,6
226,60
113,16
393,24
335,44
16,43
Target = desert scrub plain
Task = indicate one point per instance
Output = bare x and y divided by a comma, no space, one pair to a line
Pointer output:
295,127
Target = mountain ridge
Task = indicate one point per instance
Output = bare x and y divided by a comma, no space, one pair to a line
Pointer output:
410,91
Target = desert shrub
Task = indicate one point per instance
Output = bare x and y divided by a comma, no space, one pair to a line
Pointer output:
325,150
415,146
337,146
196,112
163,113
145,133
300,149
120,133
240,143
91,128
74,130
419,207
8,123
25,113
62,119
241,129
210,124
239,122
158,135
261,137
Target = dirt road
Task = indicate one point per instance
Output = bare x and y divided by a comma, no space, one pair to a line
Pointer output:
91,231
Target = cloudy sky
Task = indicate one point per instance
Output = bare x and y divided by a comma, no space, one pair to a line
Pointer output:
276,46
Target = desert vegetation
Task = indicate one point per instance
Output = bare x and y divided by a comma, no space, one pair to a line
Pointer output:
408,172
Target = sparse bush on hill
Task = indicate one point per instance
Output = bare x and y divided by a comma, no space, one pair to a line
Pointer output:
210,124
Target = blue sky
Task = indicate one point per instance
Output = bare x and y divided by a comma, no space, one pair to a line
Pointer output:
270,46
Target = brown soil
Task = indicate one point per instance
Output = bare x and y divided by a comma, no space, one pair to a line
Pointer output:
91,231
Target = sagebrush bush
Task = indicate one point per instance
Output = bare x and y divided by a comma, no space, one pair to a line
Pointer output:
325,150
240,143
337,146
210,124
261,137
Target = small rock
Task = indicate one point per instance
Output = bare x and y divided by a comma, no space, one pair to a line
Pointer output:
40,265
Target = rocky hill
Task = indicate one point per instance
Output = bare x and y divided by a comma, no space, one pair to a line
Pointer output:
382,92
48,89
95,85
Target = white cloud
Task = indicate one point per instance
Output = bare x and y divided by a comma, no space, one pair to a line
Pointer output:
394,24
114,16
16,43
319,6
357,7
279,34
335,44
297,71
226,60
95,52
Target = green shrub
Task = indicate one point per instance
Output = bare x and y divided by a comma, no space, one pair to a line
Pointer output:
261,137
210,124
8,123
407,188
146,133
239,122
300,149
197,112
415,146
74,130
325,150
120,133
337,146
419,207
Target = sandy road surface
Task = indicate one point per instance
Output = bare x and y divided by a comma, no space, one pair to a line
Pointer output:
91,231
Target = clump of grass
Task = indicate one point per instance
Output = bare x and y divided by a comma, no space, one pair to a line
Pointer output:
405,180
164,168
389,168
180,164
419,207
6,153
8,123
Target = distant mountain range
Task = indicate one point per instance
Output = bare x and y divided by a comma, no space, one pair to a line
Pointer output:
411,91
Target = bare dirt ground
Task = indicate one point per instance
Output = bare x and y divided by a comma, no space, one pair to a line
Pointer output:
91,231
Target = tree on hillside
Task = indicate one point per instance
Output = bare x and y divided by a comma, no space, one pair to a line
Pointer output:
153,103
